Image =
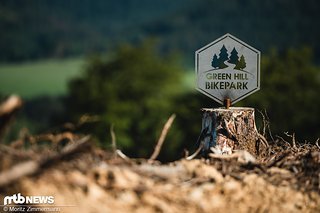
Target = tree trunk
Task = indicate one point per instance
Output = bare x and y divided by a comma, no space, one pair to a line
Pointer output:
229,129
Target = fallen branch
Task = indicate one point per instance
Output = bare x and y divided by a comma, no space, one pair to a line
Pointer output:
113,139
7,111
122,155
117,152
32,167
162,137
11,104
196,153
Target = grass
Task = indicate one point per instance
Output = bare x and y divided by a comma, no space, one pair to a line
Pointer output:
50,77
45,77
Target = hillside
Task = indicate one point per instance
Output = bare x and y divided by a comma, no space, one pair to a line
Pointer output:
40,29
64,171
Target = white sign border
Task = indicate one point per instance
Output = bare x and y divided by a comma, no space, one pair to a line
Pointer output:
244,44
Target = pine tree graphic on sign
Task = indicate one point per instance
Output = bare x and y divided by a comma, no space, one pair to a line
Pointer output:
241,64
223,56
215,61
234,58
219,62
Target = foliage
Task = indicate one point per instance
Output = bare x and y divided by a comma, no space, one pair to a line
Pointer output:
39,29
290,85
138,89
134,91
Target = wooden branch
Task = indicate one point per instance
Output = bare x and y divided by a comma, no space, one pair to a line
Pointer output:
293,139
122,155
11,104
263,139
162,137
32,167
7,111
196,153
117,152
113,139
18,171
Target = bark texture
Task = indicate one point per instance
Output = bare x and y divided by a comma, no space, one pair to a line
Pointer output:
229,129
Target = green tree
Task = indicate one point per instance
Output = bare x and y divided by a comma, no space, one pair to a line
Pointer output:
241,64
215,61
134,90
234,58
290,84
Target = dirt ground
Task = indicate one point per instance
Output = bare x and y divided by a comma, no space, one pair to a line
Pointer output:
84,178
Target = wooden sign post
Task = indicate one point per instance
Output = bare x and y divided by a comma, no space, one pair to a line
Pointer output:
227,71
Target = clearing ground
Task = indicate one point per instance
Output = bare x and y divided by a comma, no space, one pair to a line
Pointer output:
84,178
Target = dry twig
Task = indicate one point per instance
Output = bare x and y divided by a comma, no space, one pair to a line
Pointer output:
162,137
263,140
7,111
113,139
317,144
196,153
122,155
293,139
117,152
10,105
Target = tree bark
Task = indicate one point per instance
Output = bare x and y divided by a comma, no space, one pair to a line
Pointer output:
230,129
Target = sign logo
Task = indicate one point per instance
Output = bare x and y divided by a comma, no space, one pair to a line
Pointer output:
227,68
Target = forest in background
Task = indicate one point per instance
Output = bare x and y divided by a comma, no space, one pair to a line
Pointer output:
43,28
136,85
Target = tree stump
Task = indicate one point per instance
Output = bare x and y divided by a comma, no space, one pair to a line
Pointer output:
229,129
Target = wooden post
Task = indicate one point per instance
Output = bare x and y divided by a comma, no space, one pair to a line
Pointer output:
229,129
227,103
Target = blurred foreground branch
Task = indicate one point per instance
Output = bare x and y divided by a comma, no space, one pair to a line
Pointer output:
32,167
7,111
163,135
